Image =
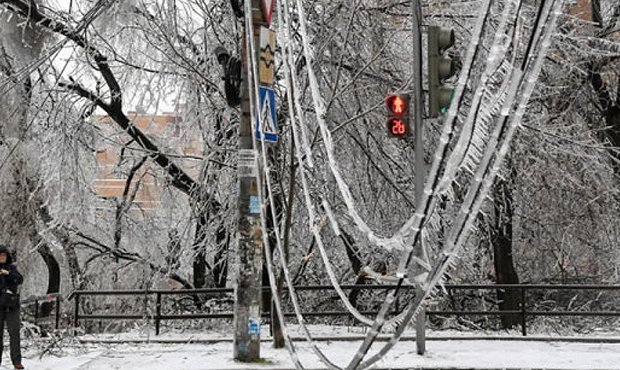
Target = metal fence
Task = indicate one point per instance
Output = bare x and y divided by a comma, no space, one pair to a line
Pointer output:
158,315
524,312
31,308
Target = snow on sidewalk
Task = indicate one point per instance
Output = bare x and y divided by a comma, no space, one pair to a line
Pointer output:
441,354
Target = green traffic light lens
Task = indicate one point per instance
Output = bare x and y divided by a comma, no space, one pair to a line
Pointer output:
444,108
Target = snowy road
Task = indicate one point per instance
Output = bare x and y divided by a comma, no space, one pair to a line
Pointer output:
441,354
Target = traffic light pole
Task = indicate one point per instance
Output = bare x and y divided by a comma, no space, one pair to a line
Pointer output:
418,124
249,233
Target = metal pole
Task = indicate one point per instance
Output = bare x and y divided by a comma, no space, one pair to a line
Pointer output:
157,313
36,311
76,315
57,311
250,246
418,129
523,323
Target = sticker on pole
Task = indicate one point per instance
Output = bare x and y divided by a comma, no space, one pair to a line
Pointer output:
254,205
265,62
246,164
267,126
254,327
268,10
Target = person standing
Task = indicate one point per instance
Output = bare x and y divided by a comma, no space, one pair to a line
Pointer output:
10,279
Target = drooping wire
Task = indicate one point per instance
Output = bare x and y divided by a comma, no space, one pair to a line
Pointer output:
477,194
256,118
312,217
458,232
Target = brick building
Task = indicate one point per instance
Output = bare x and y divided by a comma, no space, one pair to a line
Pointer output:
112,169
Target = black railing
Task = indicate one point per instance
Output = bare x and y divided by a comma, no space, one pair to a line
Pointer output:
523,311
36,304
158,315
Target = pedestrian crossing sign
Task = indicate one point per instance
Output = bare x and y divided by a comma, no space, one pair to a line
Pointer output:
267,125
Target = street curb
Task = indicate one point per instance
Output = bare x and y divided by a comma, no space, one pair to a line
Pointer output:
353,338
420,368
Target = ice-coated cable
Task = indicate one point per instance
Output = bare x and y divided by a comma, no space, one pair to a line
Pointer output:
459,235
309,205
318,237
312,219
467,217
315,229
305,187
334,280
410,232
310,208
319,116
255,114
512,121
323,358
471,137
415,223
319,107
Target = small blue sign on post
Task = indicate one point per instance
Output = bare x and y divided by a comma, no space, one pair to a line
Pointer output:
254,205
253,327
267,125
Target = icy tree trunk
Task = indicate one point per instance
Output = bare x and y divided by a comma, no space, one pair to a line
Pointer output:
608,100
219,270
610,109
356,264
220,262
267,297
200,259
53,283
278,335
114,108
20,44
501,240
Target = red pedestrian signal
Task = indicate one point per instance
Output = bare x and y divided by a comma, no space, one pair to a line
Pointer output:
398,115
396,104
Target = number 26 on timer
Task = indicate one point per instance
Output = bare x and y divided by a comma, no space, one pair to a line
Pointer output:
398,115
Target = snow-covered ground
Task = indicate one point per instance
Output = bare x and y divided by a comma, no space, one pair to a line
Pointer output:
212,351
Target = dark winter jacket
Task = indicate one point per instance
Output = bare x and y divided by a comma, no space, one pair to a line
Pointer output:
14,278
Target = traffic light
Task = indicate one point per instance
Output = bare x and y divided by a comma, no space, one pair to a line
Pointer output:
440,68
398,115
232,76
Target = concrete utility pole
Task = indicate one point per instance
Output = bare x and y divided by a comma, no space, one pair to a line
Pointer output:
420,171
250,242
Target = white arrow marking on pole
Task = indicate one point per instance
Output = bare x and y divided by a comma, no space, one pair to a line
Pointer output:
268,9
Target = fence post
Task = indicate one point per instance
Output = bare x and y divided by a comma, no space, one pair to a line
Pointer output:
157,313
523,328
397,305
57,312
36,311
76,314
